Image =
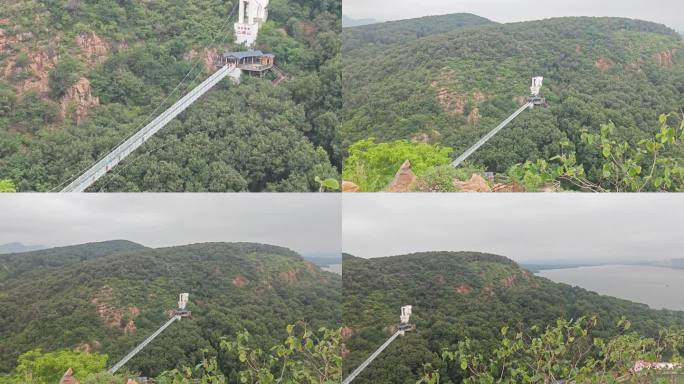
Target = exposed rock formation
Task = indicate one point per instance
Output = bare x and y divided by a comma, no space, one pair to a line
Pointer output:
463,289
348,186
346,332
68,377
509,187
111,315
665,58
130,328
476,184
509,281
403,180
421,138
84,347
208,57
474,116
39,65
603,64
240,281
79,96
289,276
454,103
94,50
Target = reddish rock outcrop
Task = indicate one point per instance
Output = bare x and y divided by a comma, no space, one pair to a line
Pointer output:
474,116
665,58
94,50
111,315
208,58
476,184
509,281
83,347
509,187
603,64
39,65
289,276
423,138
348,186
345,350
68,377
240,281
403,179
130,328
80,98
463,289
346,332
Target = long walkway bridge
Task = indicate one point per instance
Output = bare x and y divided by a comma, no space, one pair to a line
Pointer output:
107,163
230,64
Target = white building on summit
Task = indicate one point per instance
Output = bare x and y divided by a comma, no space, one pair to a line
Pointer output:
251,14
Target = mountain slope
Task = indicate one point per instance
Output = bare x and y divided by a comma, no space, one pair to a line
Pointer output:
351,22
456,295
18,247
362,40
453,87
13,265
78,77
110,303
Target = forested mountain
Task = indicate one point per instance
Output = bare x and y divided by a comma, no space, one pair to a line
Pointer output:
79,76
16,264
107,297
18,247
451,88
367,38
351,22
459,295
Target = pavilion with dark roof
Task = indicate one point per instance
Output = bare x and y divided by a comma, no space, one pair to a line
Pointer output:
254,61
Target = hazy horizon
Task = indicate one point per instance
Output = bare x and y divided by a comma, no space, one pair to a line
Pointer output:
294,221
527,228
666,12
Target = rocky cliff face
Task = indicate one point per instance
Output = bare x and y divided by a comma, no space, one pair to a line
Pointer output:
208,56
80,98
28,64
666,58
94,50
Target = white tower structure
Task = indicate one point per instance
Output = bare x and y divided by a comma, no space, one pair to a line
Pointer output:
251,14
405,314
182,300
536,85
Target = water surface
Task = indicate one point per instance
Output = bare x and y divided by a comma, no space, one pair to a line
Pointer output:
655,286
334,268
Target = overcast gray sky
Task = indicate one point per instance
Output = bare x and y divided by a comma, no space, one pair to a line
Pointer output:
308,223
668,12
524,227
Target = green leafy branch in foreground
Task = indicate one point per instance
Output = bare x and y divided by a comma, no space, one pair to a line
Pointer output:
303,358
648,165
206,372
565,351
7,185
37,367
373,165
329,184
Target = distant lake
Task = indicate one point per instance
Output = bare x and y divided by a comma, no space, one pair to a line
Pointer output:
655,286
334,268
